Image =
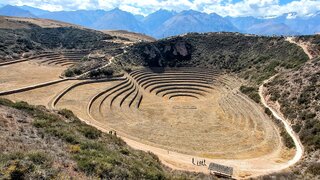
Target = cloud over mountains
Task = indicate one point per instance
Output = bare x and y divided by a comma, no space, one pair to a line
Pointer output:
257,8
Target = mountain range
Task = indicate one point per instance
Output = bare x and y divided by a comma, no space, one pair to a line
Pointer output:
164,23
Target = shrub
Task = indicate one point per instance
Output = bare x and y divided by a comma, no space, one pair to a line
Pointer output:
314,168
267,111
288,141
5,102
39,158
68,73
74,148
90,132
251,92
67,114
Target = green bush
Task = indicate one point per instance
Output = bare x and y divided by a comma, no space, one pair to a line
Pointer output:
314,168
288,141
67,114
68,73
251,92
267,111
39,158
90,132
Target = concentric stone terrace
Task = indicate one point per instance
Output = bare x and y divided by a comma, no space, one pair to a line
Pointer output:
65,58
188,110
197,112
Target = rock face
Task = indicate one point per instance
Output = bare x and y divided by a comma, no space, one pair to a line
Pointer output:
157,55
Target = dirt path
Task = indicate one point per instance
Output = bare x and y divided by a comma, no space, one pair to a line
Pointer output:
277,115
304,46
106,65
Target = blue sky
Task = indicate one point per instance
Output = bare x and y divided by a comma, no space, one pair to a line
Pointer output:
256,8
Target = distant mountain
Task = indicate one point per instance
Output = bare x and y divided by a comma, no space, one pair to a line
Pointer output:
118,20
139,17
243,23
271,28
193,21
303,25
9,10
155,20
81,17
164,23
35,11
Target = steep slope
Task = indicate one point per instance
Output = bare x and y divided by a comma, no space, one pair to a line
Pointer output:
80,17
26,38
35,11
286,24
193,21
118,20
40,144
155,20
271,28
296,94
9,10
304,25
243,23
139,17
252,57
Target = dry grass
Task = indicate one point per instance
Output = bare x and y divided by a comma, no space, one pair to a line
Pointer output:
225,124
21,23
131,36
27,73
40,96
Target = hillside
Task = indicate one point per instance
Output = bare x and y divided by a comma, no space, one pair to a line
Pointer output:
24,37
129,36
193,21
15,11
80,17
270,28
118,20
9,22
253,57
57,144
153,21
297,93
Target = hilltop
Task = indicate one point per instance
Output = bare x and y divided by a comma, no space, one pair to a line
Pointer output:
253,57
24,37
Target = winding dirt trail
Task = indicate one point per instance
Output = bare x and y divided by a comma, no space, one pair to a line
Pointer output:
304,46
277,115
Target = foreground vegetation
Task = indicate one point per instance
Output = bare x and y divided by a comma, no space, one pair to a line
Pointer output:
94,153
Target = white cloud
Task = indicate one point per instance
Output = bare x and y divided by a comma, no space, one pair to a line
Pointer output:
222,7
265,8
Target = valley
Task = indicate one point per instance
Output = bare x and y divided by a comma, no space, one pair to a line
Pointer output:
220,97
